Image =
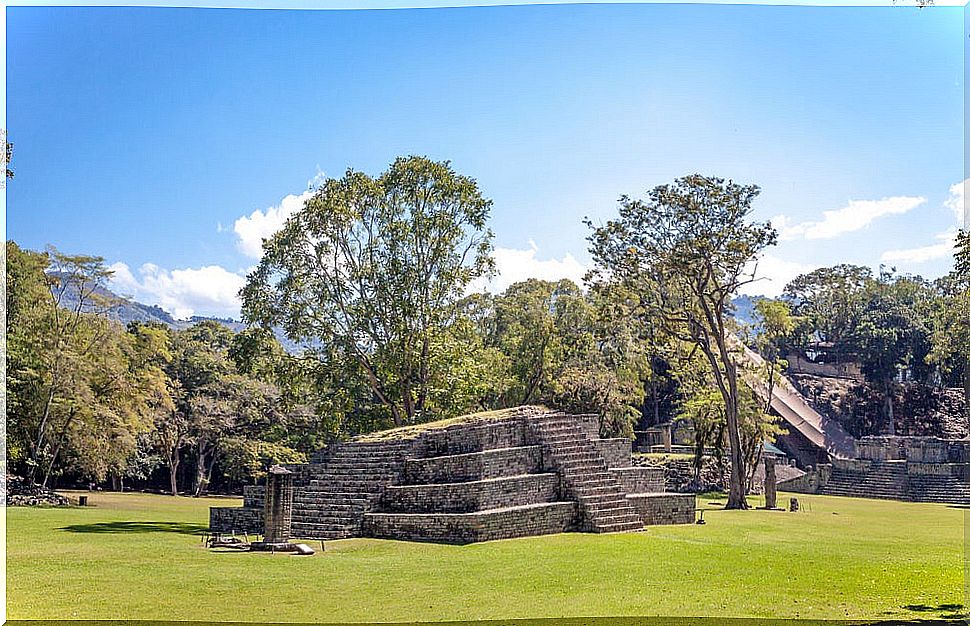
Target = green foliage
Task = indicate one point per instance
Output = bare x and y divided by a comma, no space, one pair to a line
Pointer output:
79,385
550,343
829,301
689,247
962,257
244,459
372,269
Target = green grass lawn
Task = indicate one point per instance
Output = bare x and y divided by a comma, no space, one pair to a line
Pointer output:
138,556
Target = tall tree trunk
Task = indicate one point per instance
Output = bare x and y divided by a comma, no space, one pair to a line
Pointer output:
966,393
890,416
736,499
199,470
173,468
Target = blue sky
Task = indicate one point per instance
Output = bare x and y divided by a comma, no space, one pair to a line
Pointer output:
169,140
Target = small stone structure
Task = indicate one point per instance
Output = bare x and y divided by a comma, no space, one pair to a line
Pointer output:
770,483
519,472
918,469
278,505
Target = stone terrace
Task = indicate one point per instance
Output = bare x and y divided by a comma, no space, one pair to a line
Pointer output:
519,472
918,469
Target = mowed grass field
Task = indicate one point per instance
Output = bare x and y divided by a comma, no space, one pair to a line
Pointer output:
137,556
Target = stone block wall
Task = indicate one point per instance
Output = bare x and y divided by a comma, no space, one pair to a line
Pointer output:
464,497
236,520
538,519
857,466
461,439
927,450
474,465
639,479
590,423
959,451
616,452
881,448
954,470
254,496
664,508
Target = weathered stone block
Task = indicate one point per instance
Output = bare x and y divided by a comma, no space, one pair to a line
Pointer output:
537,519
474,465
639,479
464,497
235,520
616,452
664,508
254,496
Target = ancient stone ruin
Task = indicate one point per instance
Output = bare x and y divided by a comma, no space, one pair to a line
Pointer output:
513,473
918,469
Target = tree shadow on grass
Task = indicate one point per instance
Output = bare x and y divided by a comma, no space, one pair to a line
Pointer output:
949,610
138,527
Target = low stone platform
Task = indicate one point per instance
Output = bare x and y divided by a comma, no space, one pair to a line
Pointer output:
513,473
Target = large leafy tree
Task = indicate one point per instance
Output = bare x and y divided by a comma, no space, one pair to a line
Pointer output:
951,328
892,334
80,386
829,303
692,245
370,271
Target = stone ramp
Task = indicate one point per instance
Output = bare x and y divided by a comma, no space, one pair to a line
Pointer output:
824,433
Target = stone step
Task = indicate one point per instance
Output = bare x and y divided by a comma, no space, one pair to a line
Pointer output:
620,527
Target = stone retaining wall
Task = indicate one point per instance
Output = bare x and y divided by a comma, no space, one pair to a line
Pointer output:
639,479
254,496
539,519
236,520
465,497
616,452
462,439
664,508
474,465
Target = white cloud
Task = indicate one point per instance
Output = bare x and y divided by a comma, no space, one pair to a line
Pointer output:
943,249
253,228
957,202
210,290
855,216
514,265
773,274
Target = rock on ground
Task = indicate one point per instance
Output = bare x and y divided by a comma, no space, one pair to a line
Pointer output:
20,492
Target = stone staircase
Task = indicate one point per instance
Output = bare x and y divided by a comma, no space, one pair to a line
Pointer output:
930,488
343,485
885,480
602,501
890,480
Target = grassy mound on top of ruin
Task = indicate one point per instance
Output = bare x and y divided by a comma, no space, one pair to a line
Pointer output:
139,556
414,430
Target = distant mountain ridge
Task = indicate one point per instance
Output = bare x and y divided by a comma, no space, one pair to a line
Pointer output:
126,310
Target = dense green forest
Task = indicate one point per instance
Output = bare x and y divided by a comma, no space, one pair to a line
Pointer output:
374,280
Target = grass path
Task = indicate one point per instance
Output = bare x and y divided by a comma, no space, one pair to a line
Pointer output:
139,556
